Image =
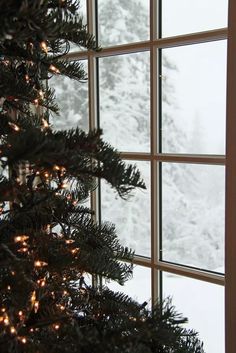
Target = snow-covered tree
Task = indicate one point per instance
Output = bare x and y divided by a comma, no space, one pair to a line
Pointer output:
189,229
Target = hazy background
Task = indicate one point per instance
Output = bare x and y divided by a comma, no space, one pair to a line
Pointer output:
193,122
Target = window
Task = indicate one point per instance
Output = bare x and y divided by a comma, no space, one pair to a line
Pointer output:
158,91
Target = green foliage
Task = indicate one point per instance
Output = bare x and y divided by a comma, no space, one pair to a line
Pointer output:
73,151
50,243
52,20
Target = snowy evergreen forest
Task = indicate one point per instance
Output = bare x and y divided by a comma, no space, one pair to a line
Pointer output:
192,194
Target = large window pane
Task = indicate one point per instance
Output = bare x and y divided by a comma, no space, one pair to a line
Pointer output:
193,215
203,304
139,287
122,21
194,98
189,16
132,216
125,102
72,98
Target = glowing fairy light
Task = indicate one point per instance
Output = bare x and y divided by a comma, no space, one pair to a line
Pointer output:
12,330
6,321
41,282
43,46
45,123
41,94
70,241
14,126
21,238
36,306
39,263
75,251
33,297
132,318
54,69
23,250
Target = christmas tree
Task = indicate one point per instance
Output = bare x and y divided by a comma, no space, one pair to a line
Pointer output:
49,239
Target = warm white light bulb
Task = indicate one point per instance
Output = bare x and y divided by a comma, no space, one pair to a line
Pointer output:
54,69
43,46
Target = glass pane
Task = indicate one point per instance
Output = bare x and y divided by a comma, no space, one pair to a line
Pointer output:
122,21
139,287
203,304
193,215
82,12
131,217
72,98
189,16
194,98
124,86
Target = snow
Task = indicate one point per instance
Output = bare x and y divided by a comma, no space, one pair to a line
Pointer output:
199,88
132,217
122,21
124,101
193,83
139,287
72,99
201,302
193,214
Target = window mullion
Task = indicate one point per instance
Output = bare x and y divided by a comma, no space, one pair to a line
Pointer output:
92,87
194,273
154,126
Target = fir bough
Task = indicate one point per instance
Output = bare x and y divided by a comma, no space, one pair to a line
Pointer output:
49,240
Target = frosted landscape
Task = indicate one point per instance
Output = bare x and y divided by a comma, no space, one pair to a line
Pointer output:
193,122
